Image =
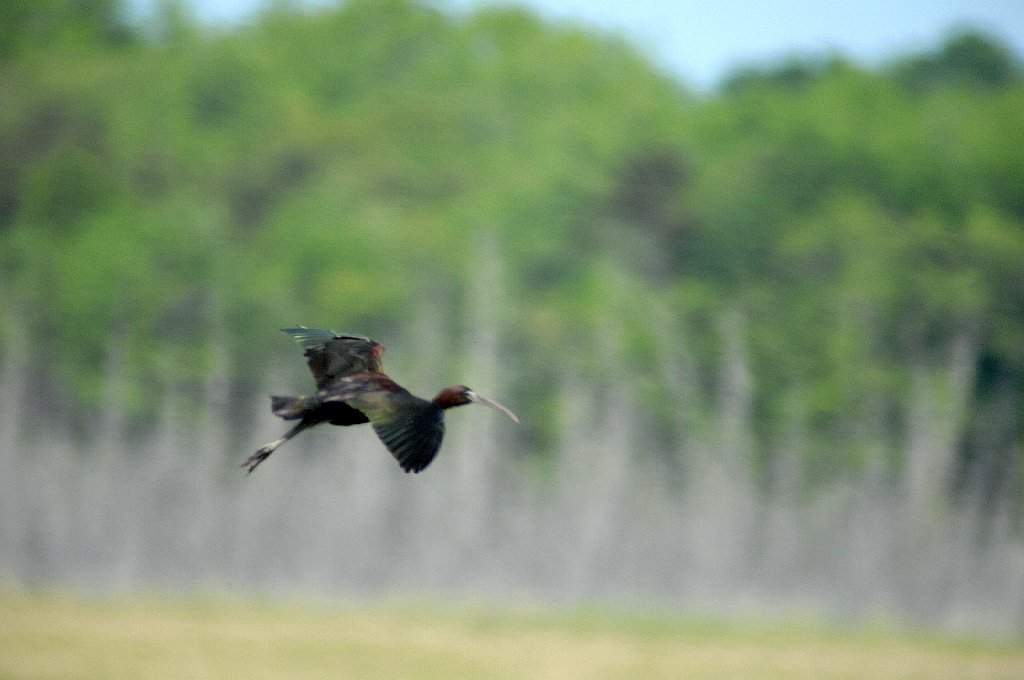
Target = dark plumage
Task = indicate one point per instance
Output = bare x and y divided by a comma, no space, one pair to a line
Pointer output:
352,388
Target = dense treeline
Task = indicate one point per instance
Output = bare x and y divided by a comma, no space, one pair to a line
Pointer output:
169,191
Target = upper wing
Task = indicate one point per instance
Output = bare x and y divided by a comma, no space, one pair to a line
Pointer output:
411,428
333,355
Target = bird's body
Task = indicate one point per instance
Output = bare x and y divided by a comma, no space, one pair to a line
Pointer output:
352,388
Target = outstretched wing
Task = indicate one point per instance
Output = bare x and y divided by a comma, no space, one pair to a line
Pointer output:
333,355
411,428
413,438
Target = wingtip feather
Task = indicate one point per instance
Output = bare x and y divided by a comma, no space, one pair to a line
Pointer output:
309,337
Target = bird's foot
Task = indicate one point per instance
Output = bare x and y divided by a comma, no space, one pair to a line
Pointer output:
261,455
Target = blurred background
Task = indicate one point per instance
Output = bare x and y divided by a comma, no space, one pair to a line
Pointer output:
761,312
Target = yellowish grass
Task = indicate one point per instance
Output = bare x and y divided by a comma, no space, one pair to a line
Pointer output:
61,636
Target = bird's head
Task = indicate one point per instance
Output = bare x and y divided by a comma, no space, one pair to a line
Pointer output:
460,395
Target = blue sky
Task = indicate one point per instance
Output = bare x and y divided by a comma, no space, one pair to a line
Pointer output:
702,40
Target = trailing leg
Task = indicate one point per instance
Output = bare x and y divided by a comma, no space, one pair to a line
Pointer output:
264,451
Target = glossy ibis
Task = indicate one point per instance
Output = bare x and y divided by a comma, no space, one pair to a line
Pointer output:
352,389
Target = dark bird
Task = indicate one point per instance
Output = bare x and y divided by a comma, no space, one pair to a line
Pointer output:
352,389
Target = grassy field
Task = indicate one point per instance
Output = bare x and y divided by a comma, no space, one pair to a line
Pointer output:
62,636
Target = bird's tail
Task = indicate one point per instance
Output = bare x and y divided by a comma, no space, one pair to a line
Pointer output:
292,408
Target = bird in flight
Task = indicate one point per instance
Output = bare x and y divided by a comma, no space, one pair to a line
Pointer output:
352,388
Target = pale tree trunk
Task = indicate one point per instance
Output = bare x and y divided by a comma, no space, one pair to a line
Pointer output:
598,471
13,397
677,370
735,396
938,407
13,390
473,446
721,496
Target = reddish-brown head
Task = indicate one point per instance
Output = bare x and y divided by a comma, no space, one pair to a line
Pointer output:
376,351
460,395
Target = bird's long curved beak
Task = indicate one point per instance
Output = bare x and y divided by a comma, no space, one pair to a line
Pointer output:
477,399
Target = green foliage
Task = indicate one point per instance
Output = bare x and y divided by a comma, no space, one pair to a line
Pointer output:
967,58
337,165
39,25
